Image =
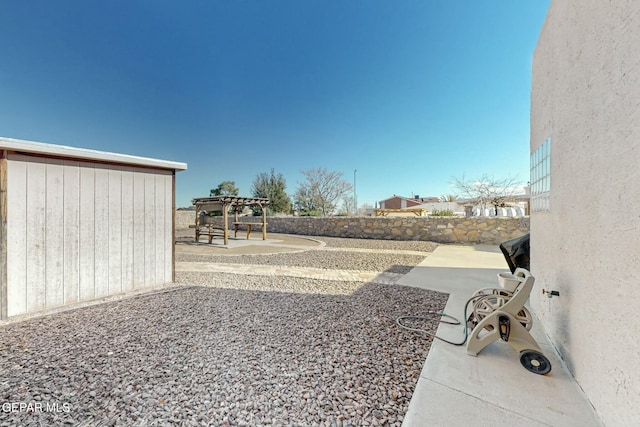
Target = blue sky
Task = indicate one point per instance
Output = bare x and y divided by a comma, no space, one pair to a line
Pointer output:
409,93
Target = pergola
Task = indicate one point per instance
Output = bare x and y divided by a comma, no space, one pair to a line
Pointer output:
234,203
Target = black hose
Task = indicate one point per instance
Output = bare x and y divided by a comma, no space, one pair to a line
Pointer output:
441,316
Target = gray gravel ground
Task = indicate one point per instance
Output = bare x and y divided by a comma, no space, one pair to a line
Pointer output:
232,350
392,263
404,245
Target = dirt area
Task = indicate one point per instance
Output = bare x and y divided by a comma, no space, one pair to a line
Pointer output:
275,243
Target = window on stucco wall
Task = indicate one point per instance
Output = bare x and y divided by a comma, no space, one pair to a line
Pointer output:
541,177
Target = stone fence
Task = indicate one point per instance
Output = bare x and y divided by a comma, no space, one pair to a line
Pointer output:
184,219
487,230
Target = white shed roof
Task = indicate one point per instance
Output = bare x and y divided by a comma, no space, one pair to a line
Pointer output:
85,154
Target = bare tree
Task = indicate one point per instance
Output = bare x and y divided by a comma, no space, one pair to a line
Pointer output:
304,201
321,191
347,205
487,190
364,208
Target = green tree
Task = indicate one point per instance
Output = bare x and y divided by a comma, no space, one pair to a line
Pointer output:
321,191
304,202
272,187
225,188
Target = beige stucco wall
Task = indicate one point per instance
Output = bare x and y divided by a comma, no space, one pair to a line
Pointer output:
586,98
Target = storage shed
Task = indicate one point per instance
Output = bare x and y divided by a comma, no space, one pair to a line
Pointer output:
78,225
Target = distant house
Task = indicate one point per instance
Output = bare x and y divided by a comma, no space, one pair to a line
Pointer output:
399,202
454,207
517,205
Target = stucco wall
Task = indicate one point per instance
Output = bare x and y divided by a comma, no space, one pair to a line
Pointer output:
586,98
436,229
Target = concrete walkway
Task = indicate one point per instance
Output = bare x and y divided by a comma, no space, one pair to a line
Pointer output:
492,389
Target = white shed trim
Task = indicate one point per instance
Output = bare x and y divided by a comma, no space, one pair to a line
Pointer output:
32,147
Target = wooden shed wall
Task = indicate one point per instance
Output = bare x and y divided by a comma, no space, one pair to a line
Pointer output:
78,231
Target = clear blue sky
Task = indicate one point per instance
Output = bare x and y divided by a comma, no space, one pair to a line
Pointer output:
409,93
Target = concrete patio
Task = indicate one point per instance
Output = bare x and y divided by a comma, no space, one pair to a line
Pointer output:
492,389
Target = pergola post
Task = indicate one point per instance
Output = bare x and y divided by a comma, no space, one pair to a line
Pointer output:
197,223
225,220
264,222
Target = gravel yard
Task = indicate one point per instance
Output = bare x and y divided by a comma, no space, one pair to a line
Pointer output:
401,245
227,349
393,263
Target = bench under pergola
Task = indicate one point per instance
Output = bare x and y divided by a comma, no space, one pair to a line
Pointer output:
235,204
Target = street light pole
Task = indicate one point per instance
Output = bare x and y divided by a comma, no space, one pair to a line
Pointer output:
355,194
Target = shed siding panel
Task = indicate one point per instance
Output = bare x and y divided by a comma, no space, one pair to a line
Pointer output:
35,235
78,231
127,231
87,233
159,233
101,240
149,230
16,236
115,231
71,231
139,255
54,233
168,229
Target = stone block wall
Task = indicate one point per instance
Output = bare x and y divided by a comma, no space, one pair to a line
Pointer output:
486,230
184,219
